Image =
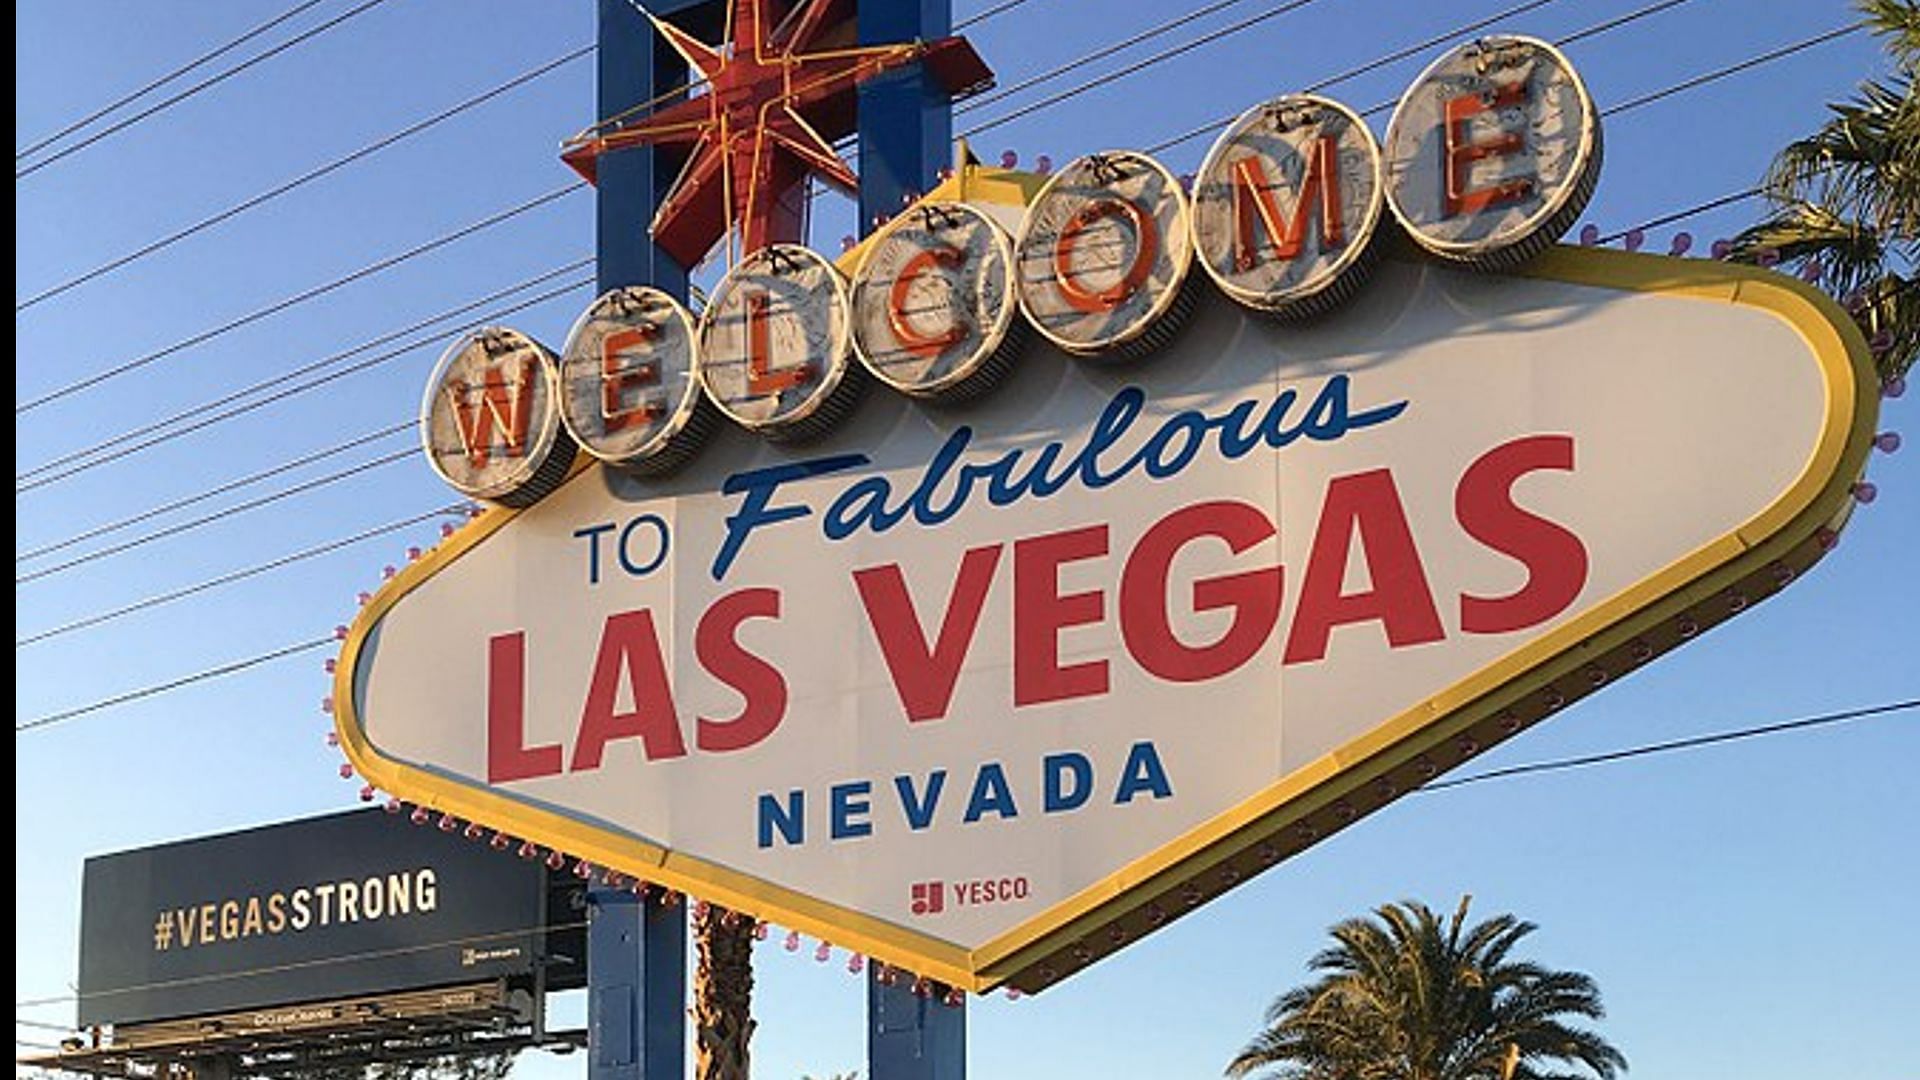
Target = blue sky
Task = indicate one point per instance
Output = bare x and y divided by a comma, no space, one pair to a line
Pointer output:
1741,907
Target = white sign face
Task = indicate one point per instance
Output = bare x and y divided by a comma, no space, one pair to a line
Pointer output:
775,347
489,421
986,692
630,381
933,303
1287,205
1496,142
1103,255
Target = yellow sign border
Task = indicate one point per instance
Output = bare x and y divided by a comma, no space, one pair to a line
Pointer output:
1711,583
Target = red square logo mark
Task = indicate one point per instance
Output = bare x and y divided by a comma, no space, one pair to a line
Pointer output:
929,897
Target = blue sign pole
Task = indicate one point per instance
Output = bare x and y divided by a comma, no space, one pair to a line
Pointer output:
910,1037
636,949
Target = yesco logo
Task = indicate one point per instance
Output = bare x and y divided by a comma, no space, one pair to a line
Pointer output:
930,897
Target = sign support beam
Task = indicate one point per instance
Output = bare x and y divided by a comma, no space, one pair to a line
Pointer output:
906,123
636,987
910,1037
636,67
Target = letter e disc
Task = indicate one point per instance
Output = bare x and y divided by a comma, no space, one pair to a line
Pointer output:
491,418
1493,152
1103,256
630,382
934,312
1287,206
776,348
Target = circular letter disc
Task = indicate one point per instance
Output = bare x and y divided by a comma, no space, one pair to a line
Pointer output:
933,305
491,418
1287,205
630,381
1103,256
775,347
1493,152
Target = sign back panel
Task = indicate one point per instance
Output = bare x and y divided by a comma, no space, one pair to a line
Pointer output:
986,693
327,907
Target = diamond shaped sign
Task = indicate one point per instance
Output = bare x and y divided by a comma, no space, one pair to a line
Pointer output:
986,691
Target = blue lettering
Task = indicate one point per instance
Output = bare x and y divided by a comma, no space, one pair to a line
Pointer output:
864,502
1055,768
920,811
848,811
1142,773
990,794
591,534
790,820
659,557
759,485
950,451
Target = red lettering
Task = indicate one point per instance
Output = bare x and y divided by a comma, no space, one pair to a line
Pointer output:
1253,205
1462,152
508,755
925,346
1398,596
1146,239
616,378
628,645
499,406
759,683
1555,559
924,676
1254,595
1041,611
762,378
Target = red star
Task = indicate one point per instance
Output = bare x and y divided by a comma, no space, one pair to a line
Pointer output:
776,100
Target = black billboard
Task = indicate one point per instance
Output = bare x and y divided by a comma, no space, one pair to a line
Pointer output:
337,906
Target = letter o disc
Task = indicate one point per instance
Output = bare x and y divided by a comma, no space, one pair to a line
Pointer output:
1493,152
630,382
1103,256
490,422
934,311
775,345
1287,206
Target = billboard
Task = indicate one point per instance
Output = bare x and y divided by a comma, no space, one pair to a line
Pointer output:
991,598
322,908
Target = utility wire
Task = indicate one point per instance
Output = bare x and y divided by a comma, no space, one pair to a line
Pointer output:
1676,744
39,475
218,515
1147,62
310,384
1098,54
128,99
982,16
301,297
174,684
304,178
1731,69
1590,31
1682,215
237,575
204,84
202,496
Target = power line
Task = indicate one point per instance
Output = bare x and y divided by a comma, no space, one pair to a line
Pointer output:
127,99
204,84
231,485
982,16
1682,215
304,178
1355,72
1676,744
1731,69
1098,54
218,515
51,471
237,575
1141,65
301,297
174,684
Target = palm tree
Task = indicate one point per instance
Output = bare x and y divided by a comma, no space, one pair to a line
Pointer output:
722,993
1407,995
1846,199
